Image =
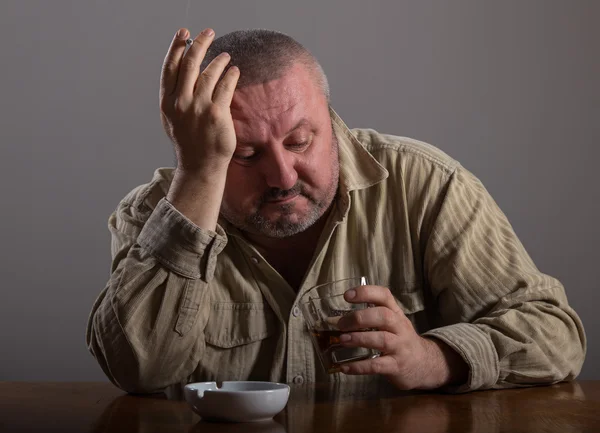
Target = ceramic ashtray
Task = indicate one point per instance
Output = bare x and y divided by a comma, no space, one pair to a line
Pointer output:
239,401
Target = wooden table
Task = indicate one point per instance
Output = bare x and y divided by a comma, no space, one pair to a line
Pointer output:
100,407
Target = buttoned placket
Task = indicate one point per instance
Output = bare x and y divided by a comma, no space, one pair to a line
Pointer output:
301,360
300,356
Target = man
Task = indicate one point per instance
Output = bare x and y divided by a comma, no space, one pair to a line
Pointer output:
273,194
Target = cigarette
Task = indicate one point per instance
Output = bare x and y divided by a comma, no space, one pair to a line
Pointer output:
189,42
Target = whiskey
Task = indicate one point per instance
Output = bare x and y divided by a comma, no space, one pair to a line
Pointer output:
333,354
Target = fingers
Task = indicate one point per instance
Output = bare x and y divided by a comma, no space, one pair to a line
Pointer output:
170,68
189,68
377,295
381,318
380,365
226,87
384,341
205,90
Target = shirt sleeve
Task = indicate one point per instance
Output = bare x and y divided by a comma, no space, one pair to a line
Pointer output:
511,323
146,329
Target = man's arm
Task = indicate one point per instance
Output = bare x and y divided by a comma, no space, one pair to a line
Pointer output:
510,323
146,327
503,323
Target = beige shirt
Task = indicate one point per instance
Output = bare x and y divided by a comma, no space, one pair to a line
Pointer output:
186,304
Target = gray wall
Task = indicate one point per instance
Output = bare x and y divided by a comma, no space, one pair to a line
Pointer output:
509,88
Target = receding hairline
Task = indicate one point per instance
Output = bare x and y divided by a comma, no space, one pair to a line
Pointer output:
264,55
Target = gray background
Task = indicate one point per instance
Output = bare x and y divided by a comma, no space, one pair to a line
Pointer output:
509,88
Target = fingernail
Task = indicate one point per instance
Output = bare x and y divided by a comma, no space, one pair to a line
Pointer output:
350,294
345,338
182,34
207,32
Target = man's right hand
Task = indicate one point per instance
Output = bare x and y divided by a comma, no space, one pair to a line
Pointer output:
196,114
195,107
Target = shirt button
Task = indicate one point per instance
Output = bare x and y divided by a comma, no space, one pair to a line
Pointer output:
298,380
254,260
296,311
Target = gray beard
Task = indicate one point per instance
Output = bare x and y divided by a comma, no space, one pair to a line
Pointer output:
282,227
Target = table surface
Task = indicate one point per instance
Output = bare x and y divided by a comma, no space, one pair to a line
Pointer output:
101,407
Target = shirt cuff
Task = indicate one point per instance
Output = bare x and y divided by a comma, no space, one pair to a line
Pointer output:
179,244
476,349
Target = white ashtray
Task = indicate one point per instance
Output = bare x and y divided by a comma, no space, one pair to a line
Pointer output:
238,401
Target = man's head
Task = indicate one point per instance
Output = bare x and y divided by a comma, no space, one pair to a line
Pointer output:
284,174
263,56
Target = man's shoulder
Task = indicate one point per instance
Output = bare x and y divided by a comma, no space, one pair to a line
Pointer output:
381,145
145,197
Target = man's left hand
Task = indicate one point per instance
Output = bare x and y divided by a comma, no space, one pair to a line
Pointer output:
408,360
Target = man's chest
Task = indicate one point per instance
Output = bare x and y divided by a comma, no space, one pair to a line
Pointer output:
386,256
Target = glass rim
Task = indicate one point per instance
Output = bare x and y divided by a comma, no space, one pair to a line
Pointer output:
338,281
325,284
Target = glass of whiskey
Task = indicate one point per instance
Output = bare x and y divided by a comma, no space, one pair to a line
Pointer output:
322,307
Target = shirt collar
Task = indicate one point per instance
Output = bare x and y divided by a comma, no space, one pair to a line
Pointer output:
358,168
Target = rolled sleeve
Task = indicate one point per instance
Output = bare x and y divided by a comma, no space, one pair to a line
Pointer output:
179,244
476,349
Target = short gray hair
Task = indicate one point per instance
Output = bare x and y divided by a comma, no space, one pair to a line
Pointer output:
265,55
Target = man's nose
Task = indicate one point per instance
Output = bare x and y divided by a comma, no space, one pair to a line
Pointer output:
278,169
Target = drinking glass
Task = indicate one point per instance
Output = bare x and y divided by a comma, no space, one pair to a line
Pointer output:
322,307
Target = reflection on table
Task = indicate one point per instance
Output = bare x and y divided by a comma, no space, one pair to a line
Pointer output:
335,407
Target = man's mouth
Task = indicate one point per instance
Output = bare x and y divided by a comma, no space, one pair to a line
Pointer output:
282,200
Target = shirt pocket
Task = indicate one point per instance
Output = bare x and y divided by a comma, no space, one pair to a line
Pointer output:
410,302
241,341
234,324
408,294
413,306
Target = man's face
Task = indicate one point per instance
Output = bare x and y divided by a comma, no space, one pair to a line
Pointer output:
284,173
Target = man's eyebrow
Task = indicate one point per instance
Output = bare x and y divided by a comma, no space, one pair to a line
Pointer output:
302,122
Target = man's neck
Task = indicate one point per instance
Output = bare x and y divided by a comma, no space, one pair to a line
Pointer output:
291,256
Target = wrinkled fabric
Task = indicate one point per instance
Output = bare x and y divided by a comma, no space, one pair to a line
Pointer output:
185,304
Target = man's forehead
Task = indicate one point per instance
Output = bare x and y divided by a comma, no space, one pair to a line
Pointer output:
274,107
248,109
261,126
